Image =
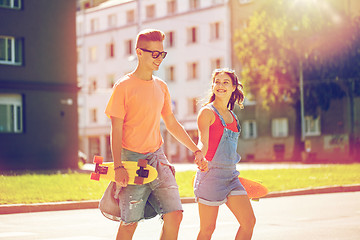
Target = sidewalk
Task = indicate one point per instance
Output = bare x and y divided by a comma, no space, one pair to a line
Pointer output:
72,205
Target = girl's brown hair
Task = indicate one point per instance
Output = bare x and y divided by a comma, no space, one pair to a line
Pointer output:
237,96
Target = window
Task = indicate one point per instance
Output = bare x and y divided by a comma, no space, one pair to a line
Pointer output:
170,74
192,35
216,63
11,50
170,39
112,20
280,127
94,146
192,71
14,4
150,11
249,129
312,126
171,7
194,4
110,50
94,25
93,115
110,80
11,113
92,54
128,47
130,16
192,106
92,84
215,31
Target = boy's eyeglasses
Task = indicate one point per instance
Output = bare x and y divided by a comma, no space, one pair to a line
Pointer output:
155,54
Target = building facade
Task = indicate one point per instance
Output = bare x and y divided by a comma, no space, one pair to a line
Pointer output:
197,41
38,90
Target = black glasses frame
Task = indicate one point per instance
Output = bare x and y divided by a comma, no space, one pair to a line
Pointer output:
155,54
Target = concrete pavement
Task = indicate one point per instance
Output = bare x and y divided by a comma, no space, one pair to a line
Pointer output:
316,217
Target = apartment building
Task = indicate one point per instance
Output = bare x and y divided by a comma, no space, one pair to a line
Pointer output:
38,90
197,40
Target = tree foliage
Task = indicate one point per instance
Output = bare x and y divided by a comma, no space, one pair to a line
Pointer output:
289,37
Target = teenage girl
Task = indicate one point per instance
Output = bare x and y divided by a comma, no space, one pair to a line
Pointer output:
219,131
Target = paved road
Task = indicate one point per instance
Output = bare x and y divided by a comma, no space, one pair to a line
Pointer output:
321,216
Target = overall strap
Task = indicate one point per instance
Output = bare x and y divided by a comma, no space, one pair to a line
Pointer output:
217,112
237,121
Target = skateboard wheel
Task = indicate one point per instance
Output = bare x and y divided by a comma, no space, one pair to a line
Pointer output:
139,180
95,176
98,159
142,163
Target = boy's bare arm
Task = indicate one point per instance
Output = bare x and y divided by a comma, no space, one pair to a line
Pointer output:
121,175
178,131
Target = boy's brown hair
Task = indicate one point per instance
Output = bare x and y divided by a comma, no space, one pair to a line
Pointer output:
149,35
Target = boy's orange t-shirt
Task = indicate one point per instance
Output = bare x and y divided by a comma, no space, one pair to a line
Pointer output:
141,104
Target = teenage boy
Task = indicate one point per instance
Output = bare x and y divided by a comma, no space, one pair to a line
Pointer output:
138,101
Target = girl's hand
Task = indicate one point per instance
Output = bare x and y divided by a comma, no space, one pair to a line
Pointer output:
201,161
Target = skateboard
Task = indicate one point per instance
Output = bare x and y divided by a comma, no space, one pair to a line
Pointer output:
139,172
255,190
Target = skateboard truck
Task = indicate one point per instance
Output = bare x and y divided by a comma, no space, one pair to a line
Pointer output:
141,172
98,169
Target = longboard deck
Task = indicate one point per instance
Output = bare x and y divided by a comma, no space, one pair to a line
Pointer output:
139,172
255,190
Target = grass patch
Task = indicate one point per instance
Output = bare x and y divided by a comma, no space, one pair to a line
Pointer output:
72,186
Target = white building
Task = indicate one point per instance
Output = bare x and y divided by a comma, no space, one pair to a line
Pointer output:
198,40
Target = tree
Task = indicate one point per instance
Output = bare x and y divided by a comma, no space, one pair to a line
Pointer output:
285,41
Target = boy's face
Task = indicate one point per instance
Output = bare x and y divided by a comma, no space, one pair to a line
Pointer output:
146,59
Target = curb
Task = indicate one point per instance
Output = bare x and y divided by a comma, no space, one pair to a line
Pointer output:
77,205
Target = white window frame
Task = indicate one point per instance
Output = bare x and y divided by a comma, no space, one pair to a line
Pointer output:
216,63
170,73
215,31
312,126
12,50
170,39
280,127
192,35
249,129
13,121
171,7
193,106
130,16
194,4
193,70
13,4
94,25
110,50
112,20
93,54
129,47
150,11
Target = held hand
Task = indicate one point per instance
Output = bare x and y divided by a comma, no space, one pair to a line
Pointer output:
121,177
201,161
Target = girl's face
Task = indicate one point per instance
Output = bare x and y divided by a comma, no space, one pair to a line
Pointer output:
222,85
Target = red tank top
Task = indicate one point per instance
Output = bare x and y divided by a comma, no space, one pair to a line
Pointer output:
215,133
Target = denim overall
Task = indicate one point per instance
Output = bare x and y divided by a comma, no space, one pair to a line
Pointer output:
221,180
